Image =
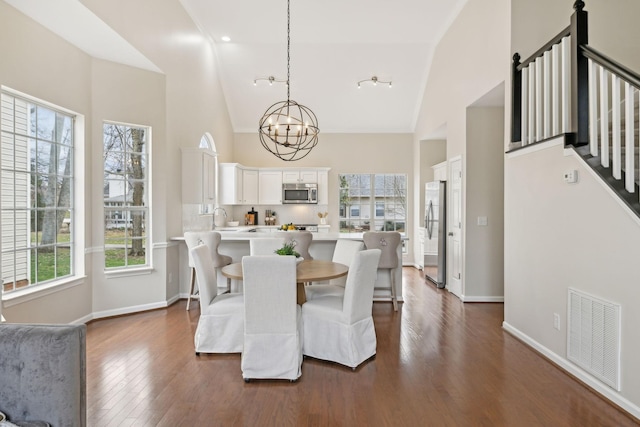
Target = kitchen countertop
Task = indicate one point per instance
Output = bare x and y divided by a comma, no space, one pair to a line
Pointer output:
235,235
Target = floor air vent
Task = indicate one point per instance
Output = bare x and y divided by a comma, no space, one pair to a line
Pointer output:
594,336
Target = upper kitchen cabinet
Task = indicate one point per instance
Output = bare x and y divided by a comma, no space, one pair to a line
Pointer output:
269,187
230,183
300,176
238,185
323,186
198,176
440,171
250,186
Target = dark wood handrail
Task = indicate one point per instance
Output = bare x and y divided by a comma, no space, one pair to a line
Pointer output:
557,39
578,30
611,65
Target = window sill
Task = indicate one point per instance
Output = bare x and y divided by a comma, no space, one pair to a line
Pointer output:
39,291
114,274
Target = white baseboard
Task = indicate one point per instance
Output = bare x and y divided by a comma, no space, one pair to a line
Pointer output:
465,298
597,386
132,309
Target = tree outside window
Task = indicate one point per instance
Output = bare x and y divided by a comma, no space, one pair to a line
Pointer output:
125,192
36,197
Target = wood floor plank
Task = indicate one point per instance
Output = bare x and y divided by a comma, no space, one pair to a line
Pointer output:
439,362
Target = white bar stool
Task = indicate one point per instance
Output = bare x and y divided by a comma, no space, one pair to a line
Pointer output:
387,242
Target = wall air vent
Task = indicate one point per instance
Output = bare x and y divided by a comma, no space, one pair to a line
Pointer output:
594,336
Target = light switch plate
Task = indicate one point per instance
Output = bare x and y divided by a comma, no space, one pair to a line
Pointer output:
482,221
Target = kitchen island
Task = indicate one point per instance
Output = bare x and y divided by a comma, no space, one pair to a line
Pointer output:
235,243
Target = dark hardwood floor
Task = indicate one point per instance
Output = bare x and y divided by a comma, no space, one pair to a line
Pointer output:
439,363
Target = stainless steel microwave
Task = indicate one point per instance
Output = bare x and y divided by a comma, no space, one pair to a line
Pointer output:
299,193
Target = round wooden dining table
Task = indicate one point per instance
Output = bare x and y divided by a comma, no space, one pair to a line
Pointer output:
313,270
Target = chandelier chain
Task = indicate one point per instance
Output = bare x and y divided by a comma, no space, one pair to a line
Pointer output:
288,130
288,47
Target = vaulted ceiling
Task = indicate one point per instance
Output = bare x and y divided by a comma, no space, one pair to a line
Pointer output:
334,45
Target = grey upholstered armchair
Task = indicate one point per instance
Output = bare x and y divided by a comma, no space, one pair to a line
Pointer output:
43,373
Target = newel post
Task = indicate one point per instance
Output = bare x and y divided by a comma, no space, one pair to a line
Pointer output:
579,75
516,99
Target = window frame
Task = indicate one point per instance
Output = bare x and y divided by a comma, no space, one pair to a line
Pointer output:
365,188
76,219
127,211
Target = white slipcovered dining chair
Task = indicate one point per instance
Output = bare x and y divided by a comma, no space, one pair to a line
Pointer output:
340,328
272,319
387,242
212,240
221,324
300,239
343,253
265,245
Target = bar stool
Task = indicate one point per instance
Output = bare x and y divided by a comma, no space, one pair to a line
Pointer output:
387,242
212,240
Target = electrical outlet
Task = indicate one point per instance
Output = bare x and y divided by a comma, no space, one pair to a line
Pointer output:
556,321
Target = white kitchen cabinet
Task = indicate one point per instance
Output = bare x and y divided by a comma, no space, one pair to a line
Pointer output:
323,186
230,184
238,185
198,176
250,186
440,171
270,187
299,176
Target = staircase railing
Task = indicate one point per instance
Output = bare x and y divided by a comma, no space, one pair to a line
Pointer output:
569,88
550,88
613,115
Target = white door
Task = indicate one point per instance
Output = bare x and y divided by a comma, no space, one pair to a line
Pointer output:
454,235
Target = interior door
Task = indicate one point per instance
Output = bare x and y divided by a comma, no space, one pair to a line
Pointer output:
454,248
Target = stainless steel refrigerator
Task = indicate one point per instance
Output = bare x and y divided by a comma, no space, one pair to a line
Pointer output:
435,224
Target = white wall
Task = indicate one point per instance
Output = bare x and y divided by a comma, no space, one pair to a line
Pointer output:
559,235
470,61
180,105
44,66
128,95
484,198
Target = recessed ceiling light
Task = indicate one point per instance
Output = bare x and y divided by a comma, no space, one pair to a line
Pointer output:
225,38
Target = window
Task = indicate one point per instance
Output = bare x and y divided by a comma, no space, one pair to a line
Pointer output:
126,192
37,195
383,194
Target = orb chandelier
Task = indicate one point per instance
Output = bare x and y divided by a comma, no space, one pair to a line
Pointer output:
287,129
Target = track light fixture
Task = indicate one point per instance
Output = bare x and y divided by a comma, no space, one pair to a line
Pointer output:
270,79
375,81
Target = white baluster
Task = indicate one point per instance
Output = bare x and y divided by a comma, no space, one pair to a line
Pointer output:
555,89
532,100
539,63
546,98
615,119
629,146
593,109
566,84
524,123
604,117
